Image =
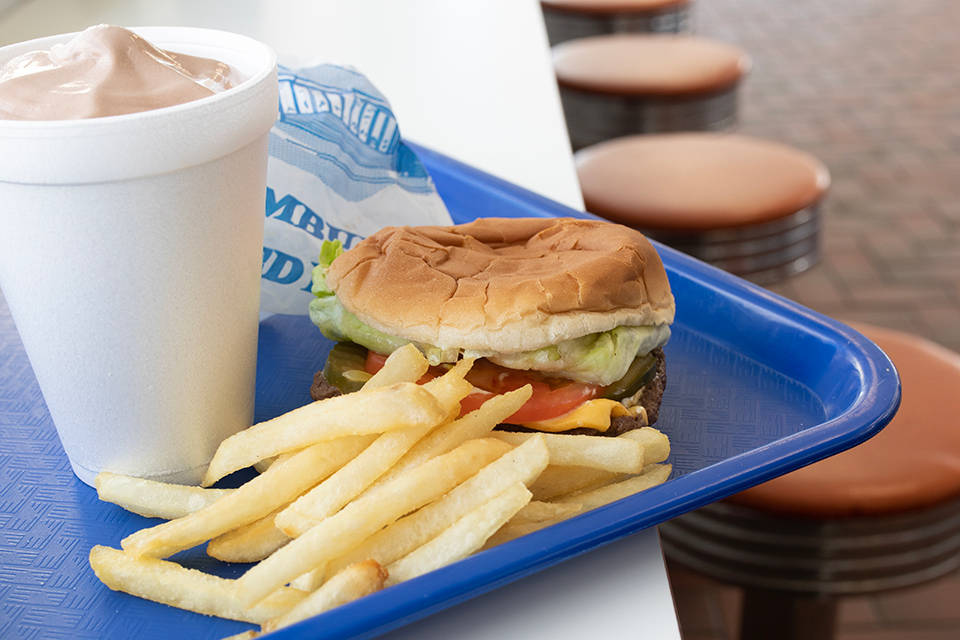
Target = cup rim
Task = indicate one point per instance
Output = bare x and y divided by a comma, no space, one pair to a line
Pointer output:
152,142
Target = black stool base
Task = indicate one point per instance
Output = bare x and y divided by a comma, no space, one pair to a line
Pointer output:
779,615
568,25
593,118
764,253
793,570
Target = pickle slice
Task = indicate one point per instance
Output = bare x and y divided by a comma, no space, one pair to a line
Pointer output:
346,357
642,370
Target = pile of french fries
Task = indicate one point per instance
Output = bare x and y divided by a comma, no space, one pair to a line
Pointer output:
363,491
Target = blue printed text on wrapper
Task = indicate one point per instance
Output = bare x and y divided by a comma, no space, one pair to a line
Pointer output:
338,170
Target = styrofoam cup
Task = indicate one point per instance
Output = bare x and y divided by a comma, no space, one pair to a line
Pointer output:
130,257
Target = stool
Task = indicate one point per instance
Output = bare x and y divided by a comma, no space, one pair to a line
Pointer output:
746,205
618,85
569,19
882,515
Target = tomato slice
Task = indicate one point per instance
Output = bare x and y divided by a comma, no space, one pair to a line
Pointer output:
552,397
375,361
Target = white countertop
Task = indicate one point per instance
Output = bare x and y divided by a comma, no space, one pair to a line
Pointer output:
472,79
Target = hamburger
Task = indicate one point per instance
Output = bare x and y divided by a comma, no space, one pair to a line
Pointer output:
579,309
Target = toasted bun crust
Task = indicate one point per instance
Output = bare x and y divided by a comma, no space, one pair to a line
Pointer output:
503,285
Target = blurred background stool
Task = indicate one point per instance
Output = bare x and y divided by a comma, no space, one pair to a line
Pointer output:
746,205
619,85
569,19
882,515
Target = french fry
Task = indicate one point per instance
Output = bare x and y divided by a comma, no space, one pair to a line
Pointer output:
450,388
169,583
262,465
536,511
354,582
619,455
476,424
249,543
280,484
406,364
512,531
393,542
656,445
332,494
154,499
346,483
385,477
653,475
364,516
558,480
311,580
601,492
398,406
466,536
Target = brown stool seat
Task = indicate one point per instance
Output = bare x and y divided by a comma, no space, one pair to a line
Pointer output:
747,205
649,65
569,19
882,515
624,84
912,464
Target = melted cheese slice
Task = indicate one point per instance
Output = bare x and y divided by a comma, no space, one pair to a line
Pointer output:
593,414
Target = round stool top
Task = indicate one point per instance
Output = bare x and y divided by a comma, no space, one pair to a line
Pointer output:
697,181
912,463
644,64
611,6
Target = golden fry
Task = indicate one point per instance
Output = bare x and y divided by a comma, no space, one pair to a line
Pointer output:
543,511
388,545
476,424
280,484
354,582
450,388
339,533
395,407
558,480
249,543
406,364
385,477
466,536
511,531
653,475
154,499
346,483
656,445
619,455
169,583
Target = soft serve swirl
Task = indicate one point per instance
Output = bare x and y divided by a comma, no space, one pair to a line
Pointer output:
105,71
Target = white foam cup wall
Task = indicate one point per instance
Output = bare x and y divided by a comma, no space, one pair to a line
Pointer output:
130,257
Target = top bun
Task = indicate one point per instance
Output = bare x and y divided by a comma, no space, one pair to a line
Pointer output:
503,284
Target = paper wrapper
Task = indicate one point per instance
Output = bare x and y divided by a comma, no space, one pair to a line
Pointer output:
338,170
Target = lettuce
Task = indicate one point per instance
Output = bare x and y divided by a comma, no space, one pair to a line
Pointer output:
601,358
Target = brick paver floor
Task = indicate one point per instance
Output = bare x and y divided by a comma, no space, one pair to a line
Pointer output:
871,87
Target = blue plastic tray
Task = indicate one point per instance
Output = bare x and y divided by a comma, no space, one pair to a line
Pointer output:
758,386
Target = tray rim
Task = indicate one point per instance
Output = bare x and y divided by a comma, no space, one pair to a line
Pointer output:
874,405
